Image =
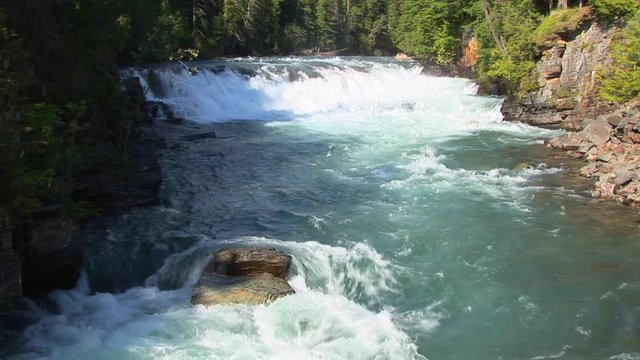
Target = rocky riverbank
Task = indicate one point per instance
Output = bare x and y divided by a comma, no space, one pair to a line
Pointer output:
611,146
605,135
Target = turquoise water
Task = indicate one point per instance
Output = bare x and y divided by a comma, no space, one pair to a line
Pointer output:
411,235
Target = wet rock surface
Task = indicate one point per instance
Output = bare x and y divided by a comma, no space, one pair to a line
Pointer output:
244,276
252,290
52,256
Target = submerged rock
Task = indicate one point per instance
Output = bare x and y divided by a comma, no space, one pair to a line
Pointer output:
200,136
524,166
244,276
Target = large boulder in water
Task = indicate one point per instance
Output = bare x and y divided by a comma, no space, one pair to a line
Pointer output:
249,261
253,290
243,276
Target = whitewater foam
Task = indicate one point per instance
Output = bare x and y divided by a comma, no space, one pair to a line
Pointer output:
322,321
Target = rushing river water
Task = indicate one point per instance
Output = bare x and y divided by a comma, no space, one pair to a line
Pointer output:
412,234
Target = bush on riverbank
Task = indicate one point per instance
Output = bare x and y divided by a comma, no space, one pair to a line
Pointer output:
621,82
613,9
559,21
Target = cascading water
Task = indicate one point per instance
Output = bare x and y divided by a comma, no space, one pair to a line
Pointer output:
414,234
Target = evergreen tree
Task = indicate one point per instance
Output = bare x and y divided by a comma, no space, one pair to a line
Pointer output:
330,23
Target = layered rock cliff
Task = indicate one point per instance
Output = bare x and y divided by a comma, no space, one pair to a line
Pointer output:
567,79
606,135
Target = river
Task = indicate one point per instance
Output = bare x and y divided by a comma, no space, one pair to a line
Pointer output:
414,232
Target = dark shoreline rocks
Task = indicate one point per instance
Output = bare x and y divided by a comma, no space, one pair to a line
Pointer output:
250,275
44,252
10,281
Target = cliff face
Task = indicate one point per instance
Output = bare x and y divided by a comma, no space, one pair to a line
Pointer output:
566,76
45,253
605,135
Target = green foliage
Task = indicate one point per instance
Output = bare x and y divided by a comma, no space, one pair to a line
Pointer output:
60,95
428,30
292,39
621,82
558,21
528,84
613,9
514,21
250,25
168,33
330,24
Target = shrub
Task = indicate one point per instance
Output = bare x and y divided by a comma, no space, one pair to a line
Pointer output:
558,21
613,9
622,80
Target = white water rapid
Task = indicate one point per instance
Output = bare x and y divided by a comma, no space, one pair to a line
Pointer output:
415,231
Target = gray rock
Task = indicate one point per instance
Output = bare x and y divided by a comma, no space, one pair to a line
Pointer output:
566,73
588,170
606,157
585,147
615,120
622,178
552,71
565,104
597,132
569,141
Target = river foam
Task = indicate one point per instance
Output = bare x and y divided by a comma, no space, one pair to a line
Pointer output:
321,321
420,225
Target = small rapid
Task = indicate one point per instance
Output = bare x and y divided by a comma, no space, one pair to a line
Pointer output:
277,89
420,226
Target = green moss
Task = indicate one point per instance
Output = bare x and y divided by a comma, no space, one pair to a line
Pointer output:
559,21
587,46
528,84
563,93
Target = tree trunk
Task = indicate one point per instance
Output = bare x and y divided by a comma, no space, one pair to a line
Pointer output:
563,4
193,19
550,6
494,33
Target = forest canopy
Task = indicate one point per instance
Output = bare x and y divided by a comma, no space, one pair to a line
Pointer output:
62,103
